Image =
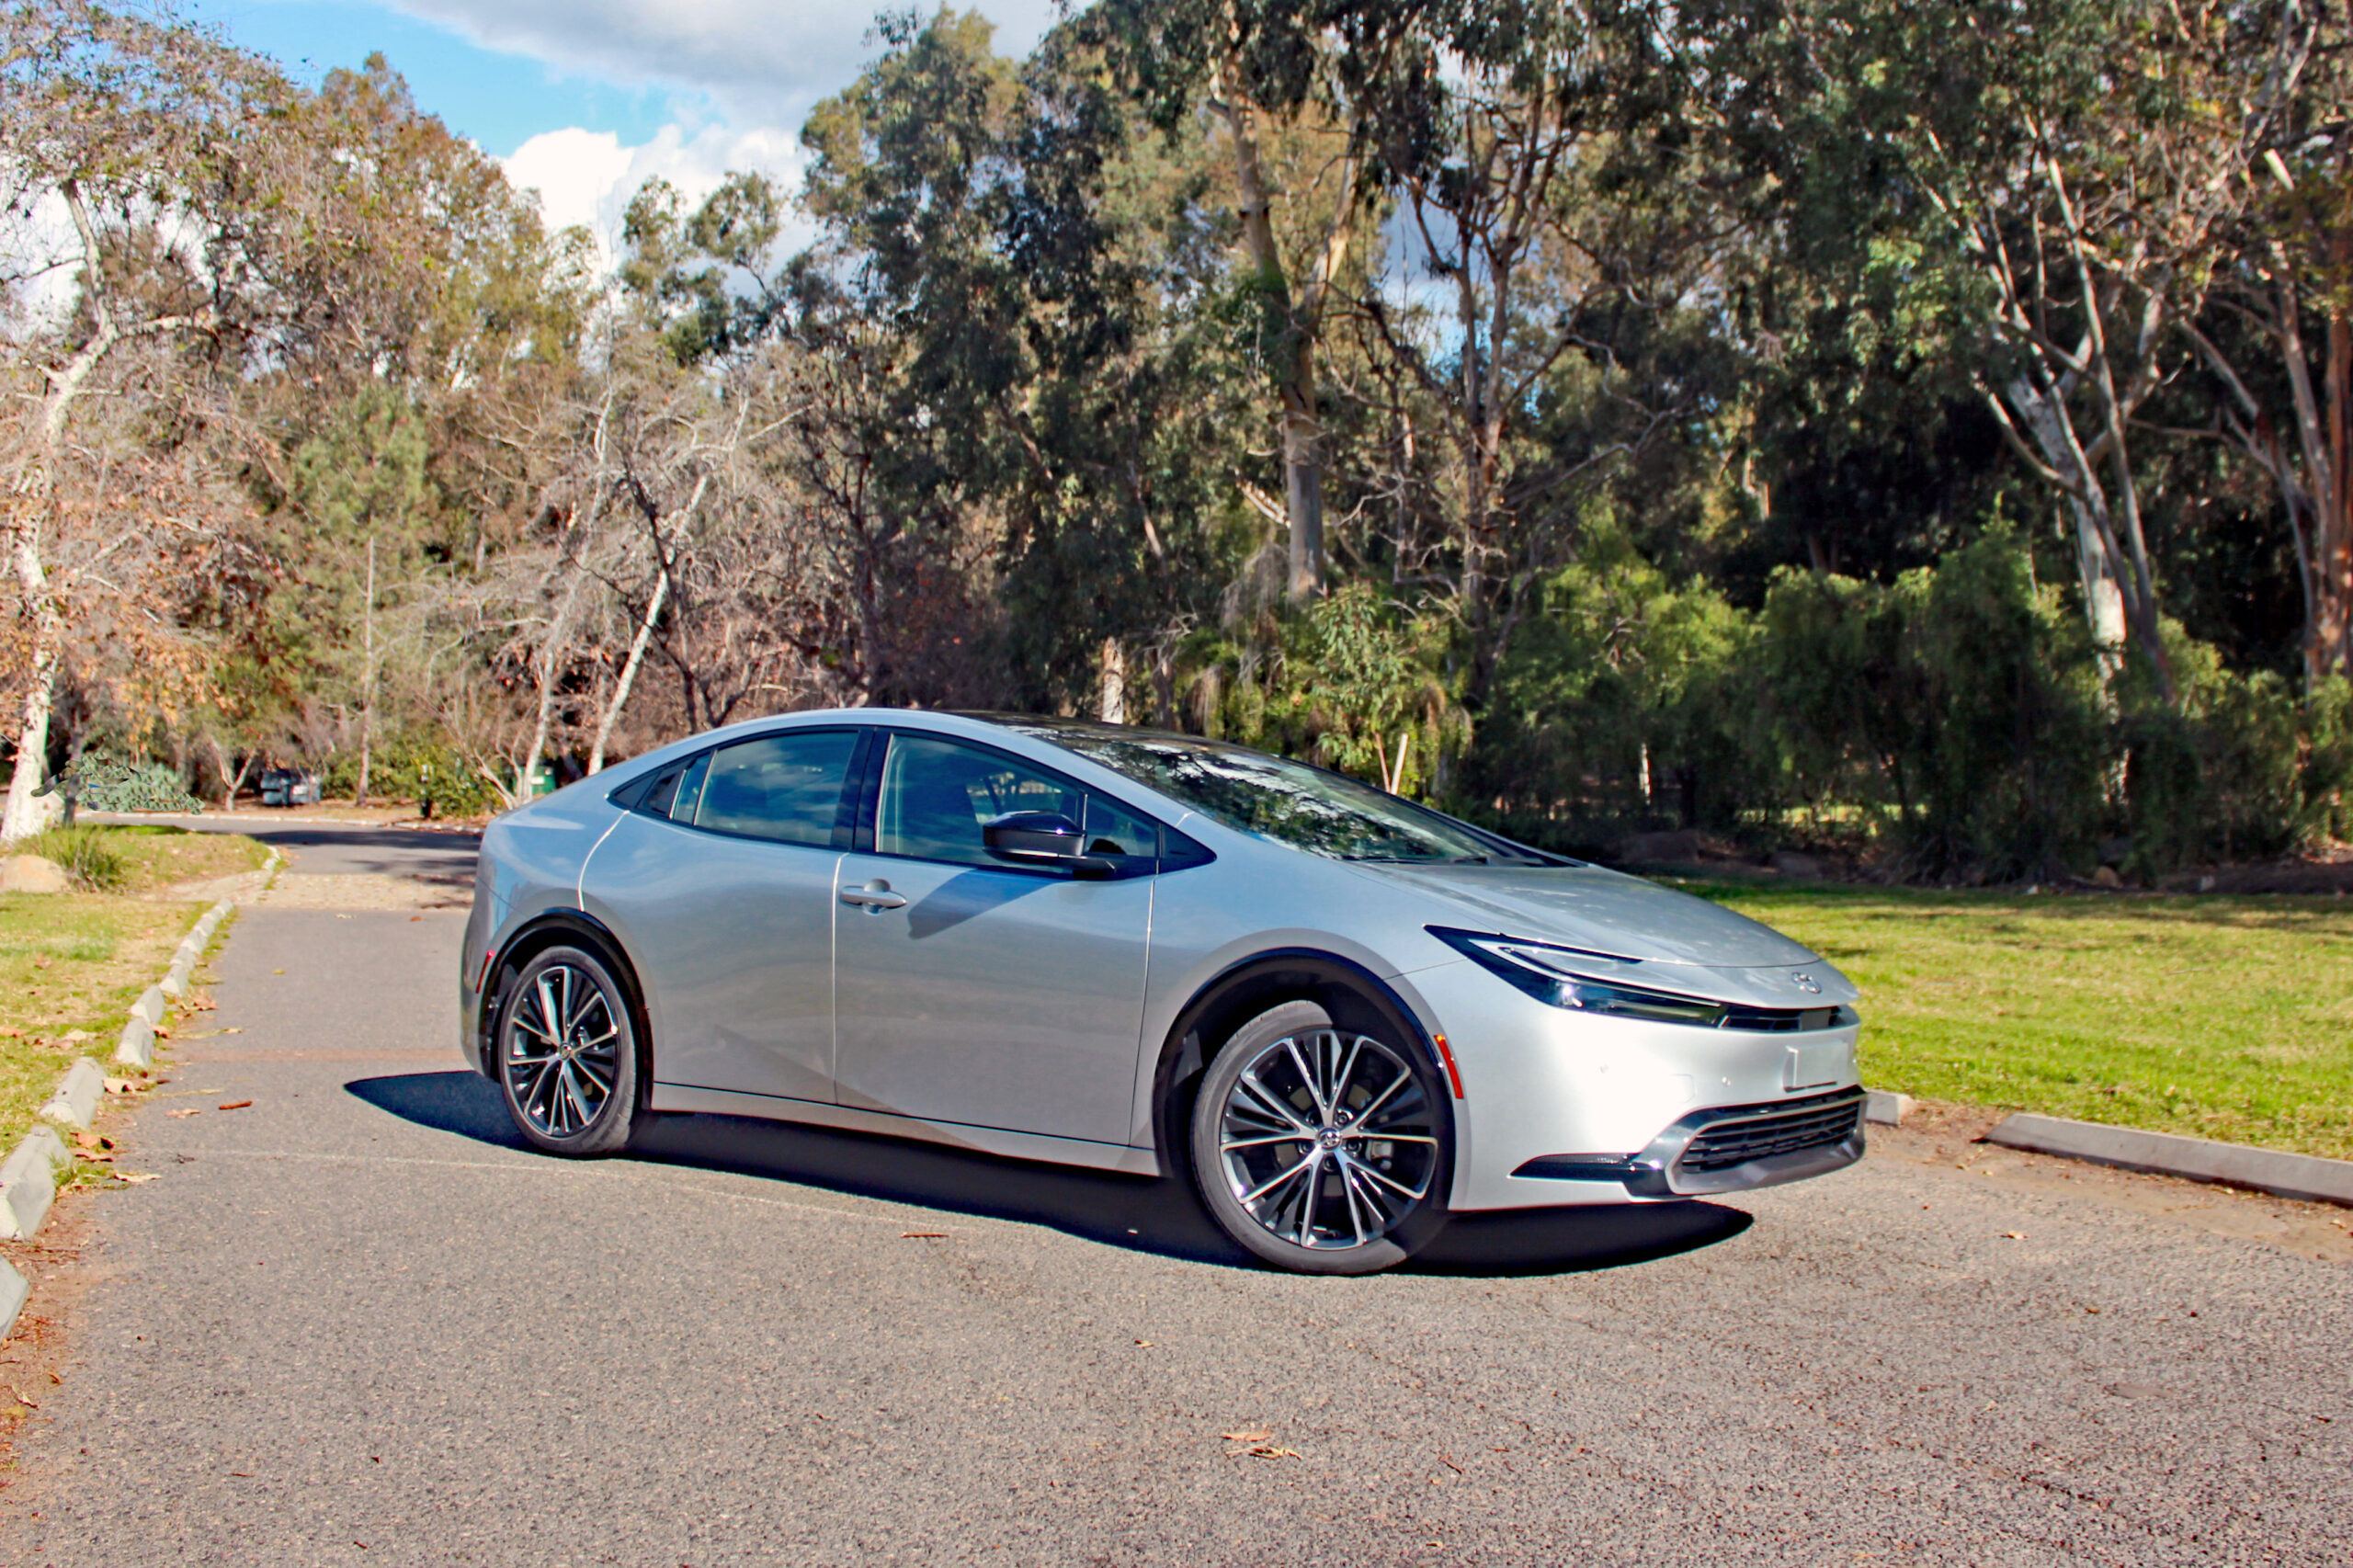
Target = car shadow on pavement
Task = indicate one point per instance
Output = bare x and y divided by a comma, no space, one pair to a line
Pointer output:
1142,1213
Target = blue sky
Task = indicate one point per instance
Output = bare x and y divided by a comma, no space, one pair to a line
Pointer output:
584,99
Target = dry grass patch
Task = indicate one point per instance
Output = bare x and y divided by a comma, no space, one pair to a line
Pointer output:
71,965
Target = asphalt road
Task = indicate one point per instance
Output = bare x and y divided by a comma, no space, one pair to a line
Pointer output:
356,1322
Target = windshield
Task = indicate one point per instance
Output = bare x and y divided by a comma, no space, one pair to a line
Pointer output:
1291,802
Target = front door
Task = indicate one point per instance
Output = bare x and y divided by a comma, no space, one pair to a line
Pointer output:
971,991
720,881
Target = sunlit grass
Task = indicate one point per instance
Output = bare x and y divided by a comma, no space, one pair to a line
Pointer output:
2219,1017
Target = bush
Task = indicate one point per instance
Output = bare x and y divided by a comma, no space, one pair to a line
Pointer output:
414,769
84,852
100,783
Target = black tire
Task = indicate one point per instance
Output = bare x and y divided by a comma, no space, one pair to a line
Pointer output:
572,1088
1354,1203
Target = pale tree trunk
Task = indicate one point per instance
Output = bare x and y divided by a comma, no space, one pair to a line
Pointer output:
35,498
1112,700
628,669
28,813
368,678
2096,567
548,667
1299,314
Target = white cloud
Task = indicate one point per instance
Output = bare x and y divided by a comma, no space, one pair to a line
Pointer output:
587,176
763,62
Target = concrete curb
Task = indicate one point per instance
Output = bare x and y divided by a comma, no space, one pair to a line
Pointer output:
13,1291
1886,1107
28,1176
76,1103
29,1185
2305,1177
137,1046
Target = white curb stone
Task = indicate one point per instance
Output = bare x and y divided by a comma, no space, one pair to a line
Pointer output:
137,1046
13,1291
151,1005
27,1187
1887,1108
76,1103
2305,1177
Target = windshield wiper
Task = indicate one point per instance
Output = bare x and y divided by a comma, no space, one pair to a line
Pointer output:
1420,860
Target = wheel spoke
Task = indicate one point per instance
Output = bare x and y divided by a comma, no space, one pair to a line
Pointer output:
1283,1114
1308,1164
1414,1193
603,1085
1308,1077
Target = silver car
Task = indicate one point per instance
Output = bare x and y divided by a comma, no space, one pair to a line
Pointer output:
1346,1015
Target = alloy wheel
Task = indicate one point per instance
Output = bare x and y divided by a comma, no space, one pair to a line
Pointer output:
564,1050
1327,1140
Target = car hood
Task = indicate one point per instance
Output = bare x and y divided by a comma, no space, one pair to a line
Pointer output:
1604,912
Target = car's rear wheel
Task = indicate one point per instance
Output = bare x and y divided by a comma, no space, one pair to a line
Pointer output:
567,1055
1321,1148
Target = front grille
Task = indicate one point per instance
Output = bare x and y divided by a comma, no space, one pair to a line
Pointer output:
1777,1130
1786,1020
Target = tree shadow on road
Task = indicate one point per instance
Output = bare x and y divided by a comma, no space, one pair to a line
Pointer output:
1141,1213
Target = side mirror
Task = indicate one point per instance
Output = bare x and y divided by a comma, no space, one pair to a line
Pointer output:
1043,838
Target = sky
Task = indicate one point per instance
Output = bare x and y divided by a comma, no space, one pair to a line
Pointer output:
584,100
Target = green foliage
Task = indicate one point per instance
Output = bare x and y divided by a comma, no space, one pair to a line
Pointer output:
86,853
416,769
102,783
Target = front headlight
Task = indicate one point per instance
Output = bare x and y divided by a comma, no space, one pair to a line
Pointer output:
1552,975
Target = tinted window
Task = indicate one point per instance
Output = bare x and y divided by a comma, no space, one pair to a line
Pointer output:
1111,830
786,787
1305,807
936,794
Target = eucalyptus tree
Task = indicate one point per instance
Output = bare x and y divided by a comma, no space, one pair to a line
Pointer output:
2278,338
131,141
2042,185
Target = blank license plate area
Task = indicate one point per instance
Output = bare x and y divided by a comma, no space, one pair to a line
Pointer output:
1817,1066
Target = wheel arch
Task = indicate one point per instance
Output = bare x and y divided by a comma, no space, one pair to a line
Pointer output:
558,927
1353,995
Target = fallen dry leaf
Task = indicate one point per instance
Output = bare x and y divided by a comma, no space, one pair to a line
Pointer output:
134,1178
923,1236
1264,1451
232,1032
1248,1437
2014,1235
163,1031
23,1400
89,1140
12,1034
235,1105
1146,1343
192,1111
118,1085
199,1002
42,961
74,1037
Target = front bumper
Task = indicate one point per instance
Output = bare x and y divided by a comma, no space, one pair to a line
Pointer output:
1632,1098
1728,1149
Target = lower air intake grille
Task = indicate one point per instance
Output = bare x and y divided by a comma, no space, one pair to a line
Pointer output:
1780,1130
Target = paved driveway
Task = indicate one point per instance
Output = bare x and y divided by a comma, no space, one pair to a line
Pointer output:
356,1322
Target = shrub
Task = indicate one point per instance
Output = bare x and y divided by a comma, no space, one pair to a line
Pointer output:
87,854
101,783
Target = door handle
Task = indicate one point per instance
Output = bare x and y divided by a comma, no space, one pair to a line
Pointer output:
877,897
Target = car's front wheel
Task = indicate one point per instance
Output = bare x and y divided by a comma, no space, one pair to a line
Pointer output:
567,1055
1320,1148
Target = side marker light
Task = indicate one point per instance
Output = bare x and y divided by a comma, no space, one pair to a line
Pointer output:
1453,1073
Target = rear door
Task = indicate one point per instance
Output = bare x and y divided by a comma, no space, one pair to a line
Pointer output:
970,991
721,884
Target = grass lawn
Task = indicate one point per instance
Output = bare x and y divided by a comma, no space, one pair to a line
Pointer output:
2219,1017
71,964
146,856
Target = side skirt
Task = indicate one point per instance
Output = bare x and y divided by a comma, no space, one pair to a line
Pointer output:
981,1139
